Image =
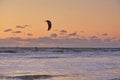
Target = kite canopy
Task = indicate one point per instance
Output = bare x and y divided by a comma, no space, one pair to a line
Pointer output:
49,24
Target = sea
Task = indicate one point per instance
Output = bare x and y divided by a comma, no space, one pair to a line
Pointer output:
34,63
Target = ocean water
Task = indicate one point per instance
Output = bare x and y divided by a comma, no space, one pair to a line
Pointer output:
59,63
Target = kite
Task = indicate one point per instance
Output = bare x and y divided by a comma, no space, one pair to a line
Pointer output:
49,24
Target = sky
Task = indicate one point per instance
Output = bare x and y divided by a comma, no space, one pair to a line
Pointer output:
75,23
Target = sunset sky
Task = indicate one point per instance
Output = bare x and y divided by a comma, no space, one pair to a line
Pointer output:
76,23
